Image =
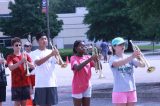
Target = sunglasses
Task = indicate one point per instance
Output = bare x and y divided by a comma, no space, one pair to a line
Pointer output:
17,45
27,46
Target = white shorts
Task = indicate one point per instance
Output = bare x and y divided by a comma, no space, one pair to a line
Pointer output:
87,93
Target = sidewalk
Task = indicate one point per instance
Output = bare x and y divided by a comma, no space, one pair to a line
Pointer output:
144,90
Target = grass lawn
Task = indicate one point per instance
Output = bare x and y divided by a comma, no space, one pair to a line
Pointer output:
149,47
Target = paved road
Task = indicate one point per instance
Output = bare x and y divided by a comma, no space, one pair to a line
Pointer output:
64,78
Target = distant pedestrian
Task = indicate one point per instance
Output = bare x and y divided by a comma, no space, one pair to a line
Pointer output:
104,50
16,61
28,47
45,79
3,79
110,52
124,89
81,65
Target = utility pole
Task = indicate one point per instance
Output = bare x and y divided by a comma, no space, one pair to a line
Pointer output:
48,27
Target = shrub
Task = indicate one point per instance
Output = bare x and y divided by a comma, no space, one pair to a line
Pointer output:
65,52
6,51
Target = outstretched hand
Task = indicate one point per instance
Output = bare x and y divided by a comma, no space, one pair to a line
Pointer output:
136,54
95,57
54,52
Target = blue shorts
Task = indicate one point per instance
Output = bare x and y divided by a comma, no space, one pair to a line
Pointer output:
46,96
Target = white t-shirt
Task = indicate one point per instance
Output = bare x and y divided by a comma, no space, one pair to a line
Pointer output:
44,74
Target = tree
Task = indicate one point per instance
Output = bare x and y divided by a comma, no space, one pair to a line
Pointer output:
27,18
146,12
108,19
142,10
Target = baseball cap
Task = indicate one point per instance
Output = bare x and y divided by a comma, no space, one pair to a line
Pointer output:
28,43
117,41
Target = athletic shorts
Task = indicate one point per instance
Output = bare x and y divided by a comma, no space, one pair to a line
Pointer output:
2,93
124,97
87,93
20,93
46,96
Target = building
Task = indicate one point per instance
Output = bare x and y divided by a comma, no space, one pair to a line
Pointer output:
4,11
73,28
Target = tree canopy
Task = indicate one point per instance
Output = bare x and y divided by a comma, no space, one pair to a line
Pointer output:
27,18
108,19
146,12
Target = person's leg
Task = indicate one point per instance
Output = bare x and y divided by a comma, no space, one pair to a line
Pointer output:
2,94
77,102
105,57
120,104
132,98
109,56
131,104
86,96
119,98
23,103
103,54
85,101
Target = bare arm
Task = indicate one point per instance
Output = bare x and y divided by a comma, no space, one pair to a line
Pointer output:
42,60
81,65
122,62
14,66
135,54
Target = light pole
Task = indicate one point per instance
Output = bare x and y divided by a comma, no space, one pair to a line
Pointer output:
48,27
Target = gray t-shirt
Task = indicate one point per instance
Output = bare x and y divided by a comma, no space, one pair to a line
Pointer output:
124,80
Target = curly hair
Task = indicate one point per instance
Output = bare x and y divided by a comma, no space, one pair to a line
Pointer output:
15,39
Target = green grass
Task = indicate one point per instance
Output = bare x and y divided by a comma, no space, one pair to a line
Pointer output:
148,47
